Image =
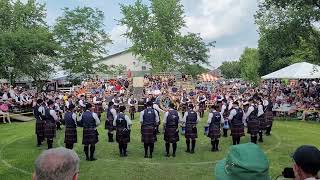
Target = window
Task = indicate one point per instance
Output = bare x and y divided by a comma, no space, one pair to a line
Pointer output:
144,68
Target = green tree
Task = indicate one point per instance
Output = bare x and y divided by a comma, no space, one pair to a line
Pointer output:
230,69
193,69
81,35
156,35
24,36
287,33
249,64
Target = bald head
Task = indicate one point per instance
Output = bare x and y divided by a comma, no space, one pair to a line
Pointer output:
56,164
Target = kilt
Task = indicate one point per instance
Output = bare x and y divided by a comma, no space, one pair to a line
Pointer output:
253,127
237,130
40,126
262,122
50,130
70,136
214,132
202,107
171,135
132,109
268,115
122,136
90,136
109,125
148,134
191,131
98,108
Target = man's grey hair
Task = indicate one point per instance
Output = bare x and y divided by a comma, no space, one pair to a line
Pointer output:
57,164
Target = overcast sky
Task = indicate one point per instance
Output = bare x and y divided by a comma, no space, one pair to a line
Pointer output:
228,22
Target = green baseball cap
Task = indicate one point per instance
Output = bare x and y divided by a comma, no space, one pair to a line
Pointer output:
243,162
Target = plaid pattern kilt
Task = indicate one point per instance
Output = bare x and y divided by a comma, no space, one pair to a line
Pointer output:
202,107
90,136
262,122
109,125
40,126
50,130
70,136
253,127
268,118
148,134
191,131
122,136
171,135
237,130
214,132
116,107
132,109
98,108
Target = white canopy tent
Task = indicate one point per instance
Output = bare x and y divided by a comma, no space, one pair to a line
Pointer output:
301,70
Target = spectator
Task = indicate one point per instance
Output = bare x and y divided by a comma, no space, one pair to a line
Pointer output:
243,162
306,163
57,164
4,111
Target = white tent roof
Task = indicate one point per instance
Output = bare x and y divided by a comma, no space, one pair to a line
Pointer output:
301,70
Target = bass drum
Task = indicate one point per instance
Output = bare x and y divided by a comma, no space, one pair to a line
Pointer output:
165,101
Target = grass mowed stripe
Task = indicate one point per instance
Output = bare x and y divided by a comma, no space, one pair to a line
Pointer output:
18,152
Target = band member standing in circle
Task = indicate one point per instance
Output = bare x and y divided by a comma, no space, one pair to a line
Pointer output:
40,122
149,119
267,103
261,119
89,121
111,116
132,102
184,103
97,101
122,124
236,119
252,119
191,119
70,122
171,129
214,123
201,99
51,119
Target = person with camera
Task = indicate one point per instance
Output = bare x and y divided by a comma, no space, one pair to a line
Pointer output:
122,124
306,165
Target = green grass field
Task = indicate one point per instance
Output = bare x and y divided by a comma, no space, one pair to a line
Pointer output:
18,152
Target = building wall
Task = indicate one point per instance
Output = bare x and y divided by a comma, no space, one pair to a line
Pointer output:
127,59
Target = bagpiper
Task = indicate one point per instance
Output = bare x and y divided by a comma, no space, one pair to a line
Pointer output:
89,121
201,99
184,101
236,119
59,111
70,122
171,121
97,101
117,101
214,123
122,124
267,103
191,119
50,118
149,119
40,123
225,113
253,122
111,116
132,102
261,119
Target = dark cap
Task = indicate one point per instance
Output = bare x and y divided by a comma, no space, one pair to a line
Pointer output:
308,159
88,106
71,107
236,103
